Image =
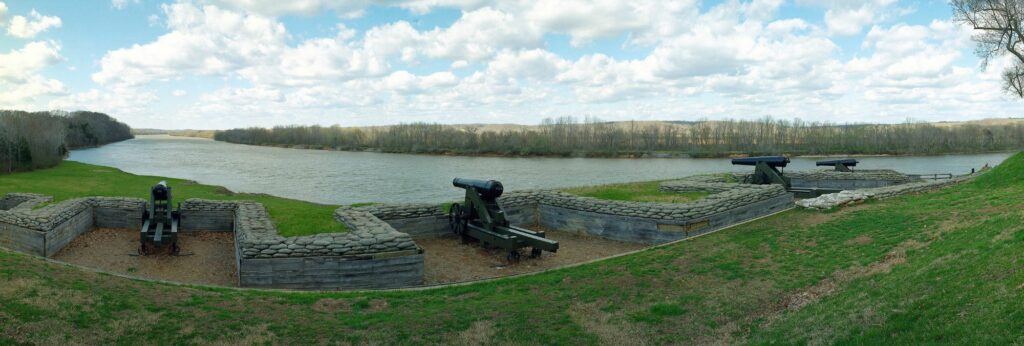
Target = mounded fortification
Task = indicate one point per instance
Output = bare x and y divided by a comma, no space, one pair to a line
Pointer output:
380,251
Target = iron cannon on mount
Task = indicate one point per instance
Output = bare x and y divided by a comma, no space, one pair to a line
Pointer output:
841,165
766,169
480,218
160,221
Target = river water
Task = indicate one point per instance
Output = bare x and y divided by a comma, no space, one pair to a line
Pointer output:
338,177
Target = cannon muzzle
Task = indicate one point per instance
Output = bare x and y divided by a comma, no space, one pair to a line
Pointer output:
486,188
160,190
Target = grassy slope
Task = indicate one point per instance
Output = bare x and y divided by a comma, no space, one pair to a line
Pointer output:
636,192
73,179
946,266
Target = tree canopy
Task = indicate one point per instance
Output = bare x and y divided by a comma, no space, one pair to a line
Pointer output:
998,25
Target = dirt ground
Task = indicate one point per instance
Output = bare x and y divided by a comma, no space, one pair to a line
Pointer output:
447,260
209,257
206,257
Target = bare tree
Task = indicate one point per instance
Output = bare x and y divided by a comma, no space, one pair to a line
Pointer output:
999,25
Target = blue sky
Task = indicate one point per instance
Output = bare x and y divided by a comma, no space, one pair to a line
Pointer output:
235,63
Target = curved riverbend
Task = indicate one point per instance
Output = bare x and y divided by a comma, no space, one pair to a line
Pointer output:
338,177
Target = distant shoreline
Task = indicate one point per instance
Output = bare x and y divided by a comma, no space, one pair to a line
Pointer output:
656,155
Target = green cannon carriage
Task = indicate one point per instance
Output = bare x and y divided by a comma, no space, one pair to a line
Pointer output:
159,222
482,219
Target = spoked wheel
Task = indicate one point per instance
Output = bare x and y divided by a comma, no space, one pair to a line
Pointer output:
513,256
457,221
535,253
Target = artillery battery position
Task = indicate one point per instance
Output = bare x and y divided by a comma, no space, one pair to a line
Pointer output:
159,222
481,218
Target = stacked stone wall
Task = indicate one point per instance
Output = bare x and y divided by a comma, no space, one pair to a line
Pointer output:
642,222
844,197
44,230
860,179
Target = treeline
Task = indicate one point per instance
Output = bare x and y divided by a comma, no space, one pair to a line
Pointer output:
591,137
30,140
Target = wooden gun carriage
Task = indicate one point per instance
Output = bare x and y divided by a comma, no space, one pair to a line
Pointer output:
481,218
159,222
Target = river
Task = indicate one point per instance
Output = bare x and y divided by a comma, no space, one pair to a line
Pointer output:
339,177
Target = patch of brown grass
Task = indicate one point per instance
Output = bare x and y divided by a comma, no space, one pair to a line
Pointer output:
481,332
859,240
331,305
599,323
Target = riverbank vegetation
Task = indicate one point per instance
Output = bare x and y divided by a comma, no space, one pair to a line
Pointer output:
940,267
591,137
42,139
635,192
73,179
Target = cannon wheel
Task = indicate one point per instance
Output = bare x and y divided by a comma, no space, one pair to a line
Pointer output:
457,221
175,249
535,253
143,249
513,256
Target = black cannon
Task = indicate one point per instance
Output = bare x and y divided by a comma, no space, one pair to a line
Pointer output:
482,219
766,169
841,165
159,222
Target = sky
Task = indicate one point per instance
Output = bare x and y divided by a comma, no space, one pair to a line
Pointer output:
217,64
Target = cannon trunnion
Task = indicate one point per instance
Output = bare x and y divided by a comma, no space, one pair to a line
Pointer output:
481,218
159,222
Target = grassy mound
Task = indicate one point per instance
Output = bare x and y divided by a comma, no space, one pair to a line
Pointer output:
635,192
74,179
945,266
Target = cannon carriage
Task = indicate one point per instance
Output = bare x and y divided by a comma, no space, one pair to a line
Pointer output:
160,222
480,218
766,169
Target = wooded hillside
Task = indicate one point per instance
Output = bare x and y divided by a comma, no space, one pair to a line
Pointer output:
590,137
30,140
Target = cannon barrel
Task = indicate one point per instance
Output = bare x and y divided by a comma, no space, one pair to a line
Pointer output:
486,188
771,161
844,162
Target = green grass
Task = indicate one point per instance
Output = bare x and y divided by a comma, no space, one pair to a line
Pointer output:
635,192
940,267
74,179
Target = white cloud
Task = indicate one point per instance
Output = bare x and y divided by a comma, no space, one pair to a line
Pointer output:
588,20
20,80
498,62
24,27
849,17
121,4
203,41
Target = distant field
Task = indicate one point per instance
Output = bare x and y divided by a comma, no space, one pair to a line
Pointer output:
73,179
635,192
945,267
